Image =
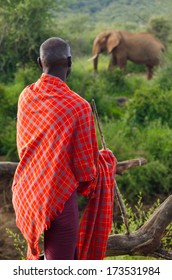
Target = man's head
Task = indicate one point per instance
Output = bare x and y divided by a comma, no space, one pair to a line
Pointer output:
55,57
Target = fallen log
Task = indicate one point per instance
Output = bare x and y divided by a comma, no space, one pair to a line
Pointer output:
146,241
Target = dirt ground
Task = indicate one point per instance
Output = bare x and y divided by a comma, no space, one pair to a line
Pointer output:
7,249
7,221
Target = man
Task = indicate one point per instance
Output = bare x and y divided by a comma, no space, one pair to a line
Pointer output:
59,157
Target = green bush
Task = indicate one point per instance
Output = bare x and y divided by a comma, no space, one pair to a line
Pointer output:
148,104
135,68
149,179
163,78
8,102
154,143
105,87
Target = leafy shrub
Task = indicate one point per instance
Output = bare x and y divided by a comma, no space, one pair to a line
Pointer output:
9,98
154,143
135,68
148,104
105,87
20,244
149,179
163,78
8,141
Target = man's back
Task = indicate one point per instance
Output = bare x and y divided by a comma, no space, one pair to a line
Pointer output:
57,149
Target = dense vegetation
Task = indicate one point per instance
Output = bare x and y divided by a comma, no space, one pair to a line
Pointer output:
140,126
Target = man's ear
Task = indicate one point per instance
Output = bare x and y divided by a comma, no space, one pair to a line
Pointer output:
39,62
69,61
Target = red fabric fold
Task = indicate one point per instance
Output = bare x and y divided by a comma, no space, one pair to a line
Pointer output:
96,223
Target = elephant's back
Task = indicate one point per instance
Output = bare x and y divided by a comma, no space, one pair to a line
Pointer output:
144,48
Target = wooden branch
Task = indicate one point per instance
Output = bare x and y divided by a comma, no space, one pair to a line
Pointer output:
161,253
8,168
93,105
128,164
122,207
146,241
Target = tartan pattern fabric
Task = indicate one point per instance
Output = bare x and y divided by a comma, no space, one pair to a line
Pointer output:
57,147
96,223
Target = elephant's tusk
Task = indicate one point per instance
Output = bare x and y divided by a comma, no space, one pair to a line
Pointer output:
93,57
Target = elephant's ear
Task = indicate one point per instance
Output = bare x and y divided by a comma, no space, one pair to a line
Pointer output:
113,41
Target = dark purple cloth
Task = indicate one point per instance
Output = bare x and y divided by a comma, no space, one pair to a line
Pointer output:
60,239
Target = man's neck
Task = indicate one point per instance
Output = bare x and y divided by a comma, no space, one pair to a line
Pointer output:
59,73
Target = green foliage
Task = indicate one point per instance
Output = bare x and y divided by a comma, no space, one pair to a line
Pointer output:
160,27
69,30
150,180
105,87
148,104
20,244
164,73
8,102
19,44
113,13
154,143
135,68
136,215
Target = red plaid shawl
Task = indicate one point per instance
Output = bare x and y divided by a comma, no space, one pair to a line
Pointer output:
57,147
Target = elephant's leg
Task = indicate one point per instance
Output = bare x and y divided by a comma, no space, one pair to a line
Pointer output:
122,61
149,72
113,62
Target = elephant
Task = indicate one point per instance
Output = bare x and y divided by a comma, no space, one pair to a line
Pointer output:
140,48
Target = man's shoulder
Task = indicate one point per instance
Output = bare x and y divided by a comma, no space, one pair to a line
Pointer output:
79,101
79,98
26,90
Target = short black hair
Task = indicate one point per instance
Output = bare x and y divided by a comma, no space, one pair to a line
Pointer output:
53,50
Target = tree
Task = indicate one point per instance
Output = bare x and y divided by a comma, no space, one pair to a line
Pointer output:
24,25
160,27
